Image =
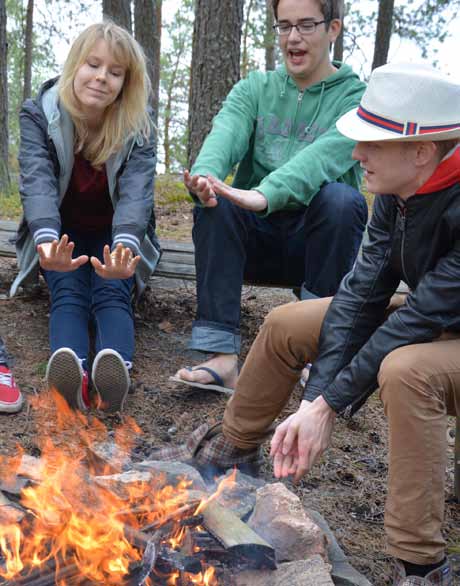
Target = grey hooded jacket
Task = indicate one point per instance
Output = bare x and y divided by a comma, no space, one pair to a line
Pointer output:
46,160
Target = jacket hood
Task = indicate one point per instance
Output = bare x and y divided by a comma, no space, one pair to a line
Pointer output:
46,86
344,73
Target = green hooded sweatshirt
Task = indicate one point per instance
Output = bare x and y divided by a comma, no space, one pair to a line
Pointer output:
284,140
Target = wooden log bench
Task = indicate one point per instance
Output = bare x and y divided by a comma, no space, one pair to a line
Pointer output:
178,262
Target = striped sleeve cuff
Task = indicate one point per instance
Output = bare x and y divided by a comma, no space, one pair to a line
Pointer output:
128,240
45,235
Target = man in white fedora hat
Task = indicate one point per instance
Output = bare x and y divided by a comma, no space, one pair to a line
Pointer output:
407,129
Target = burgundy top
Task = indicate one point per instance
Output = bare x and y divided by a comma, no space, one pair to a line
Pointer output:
87,205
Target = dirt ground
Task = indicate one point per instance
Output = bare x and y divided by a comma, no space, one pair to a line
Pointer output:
347,487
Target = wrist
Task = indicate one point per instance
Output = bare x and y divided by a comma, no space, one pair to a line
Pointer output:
320,405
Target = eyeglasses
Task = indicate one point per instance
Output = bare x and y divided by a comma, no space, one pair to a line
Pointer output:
306,27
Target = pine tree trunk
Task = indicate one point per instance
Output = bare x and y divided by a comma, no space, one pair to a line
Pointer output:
245,57
119,11
383,33
147,27
4,173
215,65
270,38
28,48
168,117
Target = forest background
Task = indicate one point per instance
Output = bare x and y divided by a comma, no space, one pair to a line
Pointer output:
197,51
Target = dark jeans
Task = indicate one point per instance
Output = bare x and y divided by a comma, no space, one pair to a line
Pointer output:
3,354
312,248
80,296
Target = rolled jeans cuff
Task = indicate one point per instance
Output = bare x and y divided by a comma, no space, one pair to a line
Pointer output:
211,339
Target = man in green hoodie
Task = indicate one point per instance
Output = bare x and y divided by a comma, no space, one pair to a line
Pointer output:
294,214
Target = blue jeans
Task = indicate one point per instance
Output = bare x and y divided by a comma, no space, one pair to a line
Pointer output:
311,249
80,296
3,354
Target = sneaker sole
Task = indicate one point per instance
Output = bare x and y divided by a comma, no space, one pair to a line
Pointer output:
111,380
65,374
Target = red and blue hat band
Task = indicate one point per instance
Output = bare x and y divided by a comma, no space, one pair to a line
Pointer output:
407,129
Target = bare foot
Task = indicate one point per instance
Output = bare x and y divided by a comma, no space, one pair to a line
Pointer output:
225,365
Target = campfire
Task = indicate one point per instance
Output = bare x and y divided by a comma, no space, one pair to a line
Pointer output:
73,517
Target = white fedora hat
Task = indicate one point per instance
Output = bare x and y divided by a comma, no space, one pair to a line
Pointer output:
405,102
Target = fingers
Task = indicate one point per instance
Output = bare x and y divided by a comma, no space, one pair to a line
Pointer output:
79,261
201,187
118,264
187,179
220,188
96,263
277,439
289,439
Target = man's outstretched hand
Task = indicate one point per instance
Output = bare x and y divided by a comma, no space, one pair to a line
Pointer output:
208,188
301,439
120,264
57,256
200,187
249,199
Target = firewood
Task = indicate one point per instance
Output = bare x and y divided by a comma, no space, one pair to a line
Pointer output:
184,511
237,538
170,559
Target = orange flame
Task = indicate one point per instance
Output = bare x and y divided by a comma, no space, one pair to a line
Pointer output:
71,518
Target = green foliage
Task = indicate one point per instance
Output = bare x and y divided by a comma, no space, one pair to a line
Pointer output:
255,37
40,368
10,204
43,62
170,190
425,22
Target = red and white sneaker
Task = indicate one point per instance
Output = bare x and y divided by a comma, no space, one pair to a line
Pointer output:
65,374
111,380
11,398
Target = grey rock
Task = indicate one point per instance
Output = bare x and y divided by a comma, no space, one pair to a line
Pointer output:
108,457
171,473
281,520
343,573
309,572
240,496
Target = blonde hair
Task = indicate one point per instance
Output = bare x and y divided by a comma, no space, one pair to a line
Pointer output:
127,115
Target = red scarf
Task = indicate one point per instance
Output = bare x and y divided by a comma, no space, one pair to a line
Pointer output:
446,174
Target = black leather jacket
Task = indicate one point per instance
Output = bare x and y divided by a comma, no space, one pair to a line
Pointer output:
419,243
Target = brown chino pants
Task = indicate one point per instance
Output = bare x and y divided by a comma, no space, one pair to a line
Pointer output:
419,385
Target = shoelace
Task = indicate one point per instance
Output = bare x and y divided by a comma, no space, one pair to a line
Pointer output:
6,378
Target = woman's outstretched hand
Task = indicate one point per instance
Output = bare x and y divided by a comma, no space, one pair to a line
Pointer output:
57,256
118,264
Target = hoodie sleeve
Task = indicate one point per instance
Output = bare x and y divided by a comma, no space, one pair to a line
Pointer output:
231,132
134,209
38,187
326,160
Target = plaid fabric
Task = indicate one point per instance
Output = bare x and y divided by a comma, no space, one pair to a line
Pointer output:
207,446
441,576
185,452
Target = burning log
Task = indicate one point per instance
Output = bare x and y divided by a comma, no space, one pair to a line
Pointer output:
175,516
170,559
237,538
141,573
50,578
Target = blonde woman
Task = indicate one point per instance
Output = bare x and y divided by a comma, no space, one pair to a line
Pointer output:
87,162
